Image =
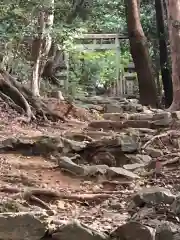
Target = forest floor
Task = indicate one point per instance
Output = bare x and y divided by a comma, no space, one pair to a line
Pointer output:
102,202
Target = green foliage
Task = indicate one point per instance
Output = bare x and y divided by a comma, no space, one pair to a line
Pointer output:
96,68
18,19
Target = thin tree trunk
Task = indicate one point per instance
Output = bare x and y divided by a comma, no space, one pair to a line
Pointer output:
42,44
140,55
165,72
37,49
173,7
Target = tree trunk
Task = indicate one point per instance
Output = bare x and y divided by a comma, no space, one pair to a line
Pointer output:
37,50
55,63
173,7
140,55
165,72
41,45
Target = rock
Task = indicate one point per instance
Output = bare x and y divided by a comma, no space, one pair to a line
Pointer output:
162,119
140,116
22,226
113,108
139,158
67,164
129,144
176,115
57,94
176,205
133,231
133,166
110,150
115,116
153,195
95,170
120,172
96,107
144,213
144,158
118,125
75,229
12,205
167,231
154,153
41,145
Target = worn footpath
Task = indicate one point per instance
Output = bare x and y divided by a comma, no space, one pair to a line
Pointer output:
110,172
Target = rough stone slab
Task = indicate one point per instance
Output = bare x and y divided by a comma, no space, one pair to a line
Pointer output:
176,205
153,195
22,226
68,164
133,166
133,231
121,172
167,231
76,230
154,152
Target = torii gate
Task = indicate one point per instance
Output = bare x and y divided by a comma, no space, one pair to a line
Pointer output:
101,42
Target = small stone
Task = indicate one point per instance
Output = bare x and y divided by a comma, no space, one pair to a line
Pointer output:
154,153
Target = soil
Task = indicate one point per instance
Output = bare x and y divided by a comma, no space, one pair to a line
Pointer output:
37,172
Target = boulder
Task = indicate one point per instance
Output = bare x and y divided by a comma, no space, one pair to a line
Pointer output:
176,115
162,119
129,144
133,231
153,195
77,230
167,231
176,205
113,108
22,226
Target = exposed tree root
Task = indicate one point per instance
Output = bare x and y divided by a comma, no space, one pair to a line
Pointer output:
167,134
37,201
19,97
11,103
35,195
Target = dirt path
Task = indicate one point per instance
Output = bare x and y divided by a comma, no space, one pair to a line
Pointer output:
33,171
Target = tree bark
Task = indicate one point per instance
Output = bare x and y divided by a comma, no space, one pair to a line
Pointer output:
42,44
140,55
19,96
173,7
37,49
165,72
